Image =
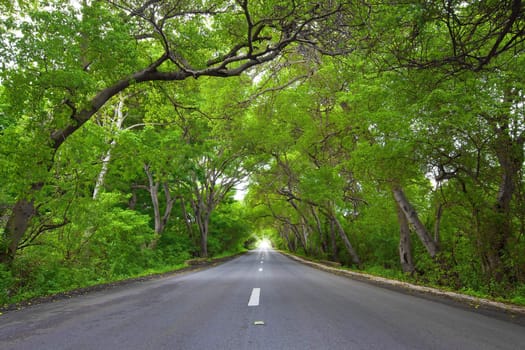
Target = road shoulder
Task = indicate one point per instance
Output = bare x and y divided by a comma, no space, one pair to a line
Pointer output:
194,265
508,312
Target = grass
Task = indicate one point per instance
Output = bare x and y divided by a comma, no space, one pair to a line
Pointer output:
27,296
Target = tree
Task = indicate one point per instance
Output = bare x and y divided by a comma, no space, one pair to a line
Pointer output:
215,172
115,126
447,36
156,41
308,144
482,156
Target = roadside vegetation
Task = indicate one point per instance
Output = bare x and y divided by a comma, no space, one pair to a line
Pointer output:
386,136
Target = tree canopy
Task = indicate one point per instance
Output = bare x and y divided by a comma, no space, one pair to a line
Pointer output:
383,135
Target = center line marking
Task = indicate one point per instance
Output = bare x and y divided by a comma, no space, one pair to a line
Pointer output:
260,269
254,297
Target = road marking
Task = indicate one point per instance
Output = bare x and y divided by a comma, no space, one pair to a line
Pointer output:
260,269
254,297
262,262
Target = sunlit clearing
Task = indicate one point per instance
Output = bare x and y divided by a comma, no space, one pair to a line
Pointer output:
264,244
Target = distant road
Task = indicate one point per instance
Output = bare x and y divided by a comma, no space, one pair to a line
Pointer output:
261,300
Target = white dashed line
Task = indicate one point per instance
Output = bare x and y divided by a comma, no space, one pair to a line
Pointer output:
260,269
254,298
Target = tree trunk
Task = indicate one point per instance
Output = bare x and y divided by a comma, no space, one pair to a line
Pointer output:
284,234
169,206
187,219
16,226
102,174
333,241
119,119
510,156
298,237
204,239
305,233
437,223
346,241
153,188
202,219
302,236
322,238
405,245
413,219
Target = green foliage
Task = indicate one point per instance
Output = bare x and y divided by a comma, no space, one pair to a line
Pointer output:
408,102
229,229
7,282
519,295
386,272
174,248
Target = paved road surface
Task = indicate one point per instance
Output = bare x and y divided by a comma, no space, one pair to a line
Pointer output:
302,308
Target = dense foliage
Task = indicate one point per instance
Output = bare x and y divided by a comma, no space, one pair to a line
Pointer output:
388,136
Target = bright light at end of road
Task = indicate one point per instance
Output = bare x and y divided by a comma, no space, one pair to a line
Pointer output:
264,244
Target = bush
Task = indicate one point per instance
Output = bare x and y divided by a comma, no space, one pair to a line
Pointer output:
7,282
519,295
173,248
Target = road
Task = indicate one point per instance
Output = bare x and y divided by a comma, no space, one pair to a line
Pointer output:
224,307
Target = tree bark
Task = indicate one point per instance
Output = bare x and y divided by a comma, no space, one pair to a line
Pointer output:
169,205
412,217
510,154
322,238
405,245
119,119
153,188
298,236
187,219
160,220
284,234
202,218
437,223
303,235
16,226
204,239
346,241
333,241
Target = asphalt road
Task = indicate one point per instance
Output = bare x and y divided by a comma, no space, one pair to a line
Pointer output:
217,308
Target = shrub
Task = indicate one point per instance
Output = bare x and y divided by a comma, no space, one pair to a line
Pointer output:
7,282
